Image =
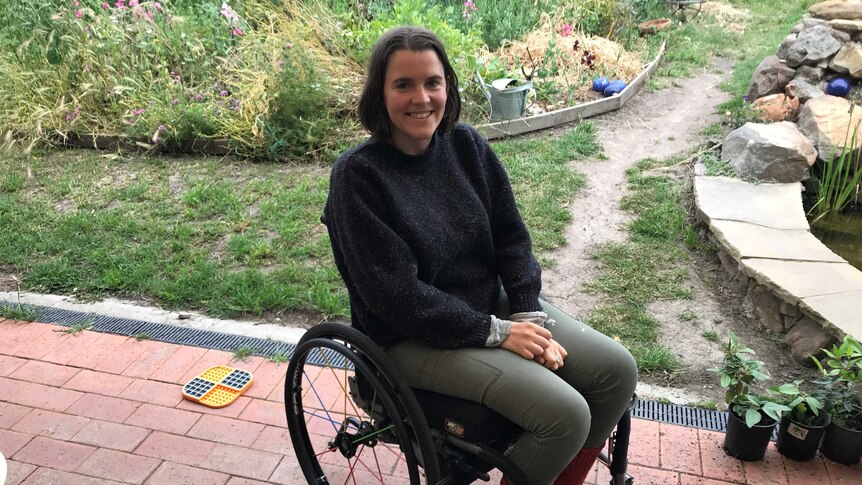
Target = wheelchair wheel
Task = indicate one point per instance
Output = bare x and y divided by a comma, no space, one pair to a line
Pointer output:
351,418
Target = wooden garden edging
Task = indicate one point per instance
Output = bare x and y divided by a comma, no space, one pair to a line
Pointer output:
546,120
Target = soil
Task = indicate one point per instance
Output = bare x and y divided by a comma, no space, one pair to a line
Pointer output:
658,125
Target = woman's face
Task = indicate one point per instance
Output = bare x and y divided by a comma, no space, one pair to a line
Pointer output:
414,92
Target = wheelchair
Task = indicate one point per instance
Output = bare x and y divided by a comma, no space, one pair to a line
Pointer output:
353,420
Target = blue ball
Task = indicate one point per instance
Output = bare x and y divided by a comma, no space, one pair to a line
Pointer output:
838,87
615,87
600,83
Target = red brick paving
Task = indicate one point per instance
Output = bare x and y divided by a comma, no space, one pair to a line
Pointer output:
90,408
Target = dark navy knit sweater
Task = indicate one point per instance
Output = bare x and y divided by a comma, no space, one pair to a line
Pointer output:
423,241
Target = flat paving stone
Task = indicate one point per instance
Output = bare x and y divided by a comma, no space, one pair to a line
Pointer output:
795,280
840,310
746,240
778,206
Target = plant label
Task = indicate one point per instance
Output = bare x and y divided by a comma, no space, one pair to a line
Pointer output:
797,432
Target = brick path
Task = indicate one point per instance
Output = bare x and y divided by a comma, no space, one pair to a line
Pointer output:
96,408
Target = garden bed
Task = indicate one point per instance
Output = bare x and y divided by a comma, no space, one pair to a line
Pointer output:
275,80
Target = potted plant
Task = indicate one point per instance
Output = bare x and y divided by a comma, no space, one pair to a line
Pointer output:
841,382
751,417
802,427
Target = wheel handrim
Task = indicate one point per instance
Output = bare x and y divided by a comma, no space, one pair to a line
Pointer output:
345,443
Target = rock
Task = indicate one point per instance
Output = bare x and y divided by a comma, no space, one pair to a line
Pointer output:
850,26
770,77
848,60
811,22
841,36
826,121
777,152
812,74
805,339
803,90
837,9
789,310
776,107
797,28
813,45
767,307
785,44
857,37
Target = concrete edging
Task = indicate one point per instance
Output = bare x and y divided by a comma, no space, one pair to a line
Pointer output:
519,126
795,285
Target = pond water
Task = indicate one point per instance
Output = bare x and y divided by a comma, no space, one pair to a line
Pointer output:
842,233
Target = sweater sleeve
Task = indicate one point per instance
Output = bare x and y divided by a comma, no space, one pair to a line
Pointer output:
519,271
384,272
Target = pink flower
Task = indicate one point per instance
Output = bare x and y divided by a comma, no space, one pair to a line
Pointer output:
76,3
222,93
469,8
566,30
175,101
133,3
121,4
237,32
158,6
68,118
105,6
79,13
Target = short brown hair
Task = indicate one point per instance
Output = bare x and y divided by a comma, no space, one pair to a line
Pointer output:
372,112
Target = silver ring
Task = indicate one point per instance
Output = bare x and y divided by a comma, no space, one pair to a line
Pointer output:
559,361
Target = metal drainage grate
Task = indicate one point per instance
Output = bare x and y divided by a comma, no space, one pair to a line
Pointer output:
160,331
210,339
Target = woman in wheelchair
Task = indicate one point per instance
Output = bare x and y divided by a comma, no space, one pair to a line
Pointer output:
440,273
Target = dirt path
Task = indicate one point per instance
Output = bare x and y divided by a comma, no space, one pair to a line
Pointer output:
657,124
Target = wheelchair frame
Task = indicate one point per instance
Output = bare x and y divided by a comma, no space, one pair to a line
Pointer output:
378,411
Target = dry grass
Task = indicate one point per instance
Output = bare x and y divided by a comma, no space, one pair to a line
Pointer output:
728,16
611,59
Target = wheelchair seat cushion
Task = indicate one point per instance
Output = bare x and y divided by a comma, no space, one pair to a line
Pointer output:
465,419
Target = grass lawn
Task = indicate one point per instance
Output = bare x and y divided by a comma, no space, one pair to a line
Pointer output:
228,237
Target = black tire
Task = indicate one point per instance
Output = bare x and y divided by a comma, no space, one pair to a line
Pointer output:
391,427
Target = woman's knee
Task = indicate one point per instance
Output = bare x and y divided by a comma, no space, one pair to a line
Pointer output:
561,415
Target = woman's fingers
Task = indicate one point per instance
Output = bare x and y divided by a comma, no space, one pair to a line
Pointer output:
527,340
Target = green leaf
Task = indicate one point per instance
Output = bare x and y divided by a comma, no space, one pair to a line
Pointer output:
752,417
725,380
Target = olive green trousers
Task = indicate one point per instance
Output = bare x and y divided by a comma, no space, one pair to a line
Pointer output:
561,411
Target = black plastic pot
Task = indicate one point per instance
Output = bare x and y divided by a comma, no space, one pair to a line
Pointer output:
744,443
799,441
842,445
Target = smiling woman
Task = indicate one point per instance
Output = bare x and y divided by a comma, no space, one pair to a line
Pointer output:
438,264
415,96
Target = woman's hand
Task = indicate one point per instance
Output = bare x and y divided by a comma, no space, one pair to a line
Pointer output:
553,357
527,340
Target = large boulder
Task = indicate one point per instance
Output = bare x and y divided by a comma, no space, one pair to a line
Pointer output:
837,9
827,122
812,46
770,77
776,152
848,60
803,90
